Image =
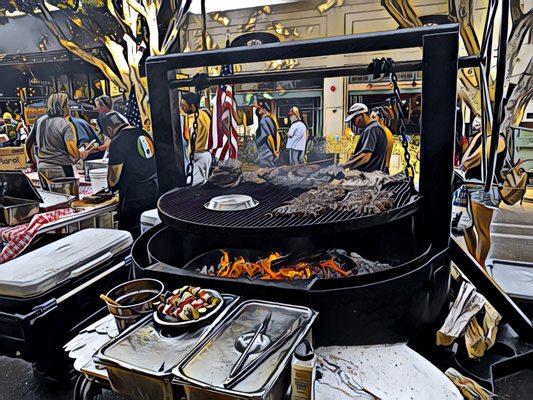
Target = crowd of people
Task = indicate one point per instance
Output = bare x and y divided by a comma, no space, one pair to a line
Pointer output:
373,151
59,140
13,130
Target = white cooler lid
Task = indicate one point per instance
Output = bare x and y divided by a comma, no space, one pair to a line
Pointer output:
44,268
150,217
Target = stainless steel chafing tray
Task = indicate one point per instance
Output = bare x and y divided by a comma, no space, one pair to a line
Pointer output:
19,200
140,360
204,370
53,201
16,211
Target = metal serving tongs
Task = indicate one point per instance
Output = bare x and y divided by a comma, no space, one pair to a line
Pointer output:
261,329
231,381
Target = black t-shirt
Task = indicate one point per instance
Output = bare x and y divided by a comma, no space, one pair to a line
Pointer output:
138,188
373,140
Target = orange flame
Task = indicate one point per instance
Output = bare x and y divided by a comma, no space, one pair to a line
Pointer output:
262,269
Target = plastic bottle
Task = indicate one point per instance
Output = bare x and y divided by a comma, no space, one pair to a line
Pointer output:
303,372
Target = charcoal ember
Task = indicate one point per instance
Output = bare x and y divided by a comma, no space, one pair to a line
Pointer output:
227,173
365,266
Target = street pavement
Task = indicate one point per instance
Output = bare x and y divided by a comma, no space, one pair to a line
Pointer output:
512,233
17,382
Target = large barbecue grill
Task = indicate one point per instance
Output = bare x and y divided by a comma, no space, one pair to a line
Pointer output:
413,236
185,209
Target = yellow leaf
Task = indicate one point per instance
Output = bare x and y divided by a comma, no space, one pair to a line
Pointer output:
221,18
325,6
76,21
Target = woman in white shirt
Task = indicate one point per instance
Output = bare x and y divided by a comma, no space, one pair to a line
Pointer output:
297,137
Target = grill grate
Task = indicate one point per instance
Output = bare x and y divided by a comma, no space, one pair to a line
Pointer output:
183,208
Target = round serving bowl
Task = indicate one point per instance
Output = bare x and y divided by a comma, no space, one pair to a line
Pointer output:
183,325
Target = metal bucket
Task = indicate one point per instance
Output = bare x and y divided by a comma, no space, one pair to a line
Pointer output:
135,298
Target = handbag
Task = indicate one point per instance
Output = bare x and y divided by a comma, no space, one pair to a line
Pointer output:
514,185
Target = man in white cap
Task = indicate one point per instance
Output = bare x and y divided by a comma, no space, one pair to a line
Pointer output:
371,151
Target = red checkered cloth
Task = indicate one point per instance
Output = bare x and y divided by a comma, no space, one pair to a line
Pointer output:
19,237
86,189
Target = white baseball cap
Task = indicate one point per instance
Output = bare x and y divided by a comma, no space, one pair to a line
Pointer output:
355,110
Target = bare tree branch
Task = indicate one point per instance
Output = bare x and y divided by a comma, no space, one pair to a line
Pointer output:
521,28
516,10
520,97
464,10
78,51
137,7
402,12
119,18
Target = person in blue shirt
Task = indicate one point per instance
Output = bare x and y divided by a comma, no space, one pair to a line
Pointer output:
85,134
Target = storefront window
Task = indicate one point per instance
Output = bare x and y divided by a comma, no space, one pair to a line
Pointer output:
62,84
80,85
96,89
310,111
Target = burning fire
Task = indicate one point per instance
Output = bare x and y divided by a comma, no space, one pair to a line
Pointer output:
262,269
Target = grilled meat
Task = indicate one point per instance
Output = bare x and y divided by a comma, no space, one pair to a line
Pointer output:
361,200
305,176
227,173
311,203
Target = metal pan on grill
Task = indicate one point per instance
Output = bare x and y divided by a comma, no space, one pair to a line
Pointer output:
231,202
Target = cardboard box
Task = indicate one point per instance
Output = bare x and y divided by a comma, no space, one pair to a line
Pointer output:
12,158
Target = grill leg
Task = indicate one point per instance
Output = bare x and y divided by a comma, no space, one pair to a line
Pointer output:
439,91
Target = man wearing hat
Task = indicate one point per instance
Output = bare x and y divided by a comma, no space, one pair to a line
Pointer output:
371,151
190,104
267,138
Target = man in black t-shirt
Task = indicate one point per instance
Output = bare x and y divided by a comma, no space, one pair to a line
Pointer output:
132,170
371,151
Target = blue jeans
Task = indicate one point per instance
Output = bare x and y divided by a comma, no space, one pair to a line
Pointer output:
296,157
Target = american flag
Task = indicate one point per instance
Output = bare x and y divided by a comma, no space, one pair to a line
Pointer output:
132,112
223,141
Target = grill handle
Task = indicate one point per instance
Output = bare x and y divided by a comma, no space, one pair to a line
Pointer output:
435,270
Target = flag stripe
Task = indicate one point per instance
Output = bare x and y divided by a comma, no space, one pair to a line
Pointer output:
223,140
